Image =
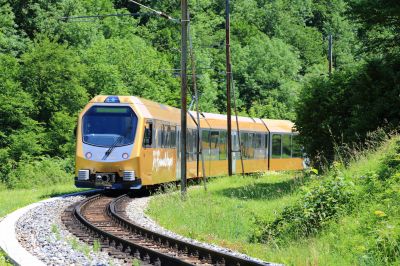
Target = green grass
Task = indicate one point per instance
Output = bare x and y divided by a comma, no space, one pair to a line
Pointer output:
13,199
225,214
3,259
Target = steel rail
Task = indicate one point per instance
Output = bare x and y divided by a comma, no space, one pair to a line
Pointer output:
125,246
217,258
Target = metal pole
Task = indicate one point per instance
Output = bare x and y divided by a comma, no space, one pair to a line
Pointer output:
228,86
184,31
330,53
196,98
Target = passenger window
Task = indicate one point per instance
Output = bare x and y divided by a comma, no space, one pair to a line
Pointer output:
296,147
214,137
164,136
189,144
192,146
286,146
276,146
205,144
258,144
243,143
250,146
266,145
158,134
222,145
167,136
173,136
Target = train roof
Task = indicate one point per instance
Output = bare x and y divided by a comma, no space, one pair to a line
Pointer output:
153,110
283,126
150,109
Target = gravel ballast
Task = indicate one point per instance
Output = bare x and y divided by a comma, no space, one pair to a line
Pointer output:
41,232
136,213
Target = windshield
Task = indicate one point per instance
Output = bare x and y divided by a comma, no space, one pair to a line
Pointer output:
104,125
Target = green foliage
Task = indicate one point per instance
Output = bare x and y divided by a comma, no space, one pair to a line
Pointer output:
4,261
15,104
50,67
129,66
96,245
381,23
55,231
136,262
54,76
61,133
382,189
48,171
332,111
10,41
267,76
363,231
320,203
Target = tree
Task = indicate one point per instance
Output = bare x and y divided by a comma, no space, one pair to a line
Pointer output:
130,66
10,41
54,76
265,68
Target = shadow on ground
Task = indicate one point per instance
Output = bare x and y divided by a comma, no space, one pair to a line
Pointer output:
58,194
262,190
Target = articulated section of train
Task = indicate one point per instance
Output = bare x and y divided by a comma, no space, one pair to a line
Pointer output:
126,142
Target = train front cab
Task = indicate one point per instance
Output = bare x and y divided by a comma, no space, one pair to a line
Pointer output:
109,138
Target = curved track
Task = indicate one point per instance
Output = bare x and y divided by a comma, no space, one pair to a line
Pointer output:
103,218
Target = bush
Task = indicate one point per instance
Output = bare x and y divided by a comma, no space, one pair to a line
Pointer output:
45,171
333,110
325,200
382,226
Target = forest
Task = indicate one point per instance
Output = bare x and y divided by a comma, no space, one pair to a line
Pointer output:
51,66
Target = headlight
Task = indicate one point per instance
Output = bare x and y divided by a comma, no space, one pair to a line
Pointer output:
129,176
83,175
88,155
125,156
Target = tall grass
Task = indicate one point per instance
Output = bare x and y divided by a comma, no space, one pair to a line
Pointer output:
362,229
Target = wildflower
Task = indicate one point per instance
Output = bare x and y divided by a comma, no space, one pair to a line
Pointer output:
380,213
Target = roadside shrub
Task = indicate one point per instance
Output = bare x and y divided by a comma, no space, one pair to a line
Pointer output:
43,172
386,240
325,200
391,163
382,226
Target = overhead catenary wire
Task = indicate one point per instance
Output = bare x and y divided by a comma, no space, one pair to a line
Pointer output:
101,16
160,13
153,11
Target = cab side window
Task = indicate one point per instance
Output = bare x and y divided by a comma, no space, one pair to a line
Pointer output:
148,135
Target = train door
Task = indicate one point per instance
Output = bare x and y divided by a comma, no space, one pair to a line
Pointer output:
235,151
178,153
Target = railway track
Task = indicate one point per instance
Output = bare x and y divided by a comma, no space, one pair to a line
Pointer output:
102,218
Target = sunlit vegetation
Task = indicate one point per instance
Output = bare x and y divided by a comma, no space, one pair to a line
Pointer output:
50,67
14,199
3,259
348,216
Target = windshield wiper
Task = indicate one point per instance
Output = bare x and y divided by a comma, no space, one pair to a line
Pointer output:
112,147
117,141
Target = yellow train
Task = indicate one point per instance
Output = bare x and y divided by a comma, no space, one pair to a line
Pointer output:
126,142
